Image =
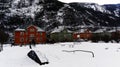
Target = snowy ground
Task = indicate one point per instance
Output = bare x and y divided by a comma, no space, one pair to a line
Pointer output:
106,55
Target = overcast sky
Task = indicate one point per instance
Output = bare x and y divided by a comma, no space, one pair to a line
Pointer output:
101,2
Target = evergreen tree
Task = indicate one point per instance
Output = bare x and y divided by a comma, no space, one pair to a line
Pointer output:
95,37
116,36
3,39
106,38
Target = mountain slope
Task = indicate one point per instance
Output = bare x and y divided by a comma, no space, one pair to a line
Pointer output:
113,8
95,15
49,14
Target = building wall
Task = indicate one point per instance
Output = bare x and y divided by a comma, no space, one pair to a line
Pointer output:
20,37
26,37
84,35
61,37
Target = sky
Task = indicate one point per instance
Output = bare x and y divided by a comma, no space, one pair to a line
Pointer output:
100,2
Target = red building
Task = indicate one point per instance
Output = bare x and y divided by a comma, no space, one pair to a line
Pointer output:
85,34
28,35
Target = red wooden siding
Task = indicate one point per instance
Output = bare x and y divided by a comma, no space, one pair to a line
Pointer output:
31,33
84,35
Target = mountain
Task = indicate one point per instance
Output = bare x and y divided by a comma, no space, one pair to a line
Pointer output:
113,8
93,6
50,14
24,12
95,14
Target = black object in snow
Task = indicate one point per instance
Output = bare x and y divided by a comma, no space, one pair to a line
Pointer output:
34,57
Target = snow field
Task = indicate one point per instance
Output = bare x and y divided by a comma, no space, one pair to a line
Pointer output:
106,55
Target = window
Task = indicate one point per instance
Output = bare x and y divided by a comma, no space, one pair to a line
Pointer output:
40,33
36,33
65,36
31,35
32,30
26,39
78,36
37,39
21,33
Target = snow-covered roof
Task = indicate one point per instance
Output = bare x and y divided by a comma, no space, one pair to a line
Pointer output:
59,29
39,29
18,29
113,30
69,31
98,31
82,30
